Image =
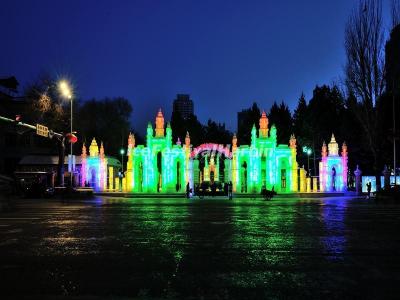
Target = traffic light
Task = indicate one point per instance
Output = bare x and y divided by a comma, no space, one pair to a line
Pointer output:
71,138
18,118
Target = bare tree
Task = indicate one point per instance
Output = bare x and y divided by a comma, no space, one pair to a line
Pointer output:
395,12
364,70
364,44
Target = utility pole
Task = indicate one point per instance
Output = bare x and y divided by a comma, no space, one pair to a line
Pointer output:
66,92
315,167
42,130
61,158
72,170
394,132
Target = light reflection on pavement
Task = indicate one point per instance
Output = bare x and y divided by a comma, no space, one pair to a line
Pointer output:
211,249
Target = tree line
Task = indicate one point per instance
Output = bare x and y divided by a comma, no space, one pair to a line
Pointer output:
361,110
358,110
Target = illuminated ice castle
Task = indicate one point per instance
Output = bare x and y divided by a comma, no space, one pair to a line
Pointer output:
162,166
98,170
264,162
333,167
94,166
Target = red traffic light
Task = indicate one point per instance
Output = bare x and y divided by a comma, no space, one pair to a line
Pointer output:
72,138
17,118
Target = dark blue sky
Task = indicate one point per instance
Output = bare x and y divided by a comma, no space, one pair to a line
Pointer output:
226,54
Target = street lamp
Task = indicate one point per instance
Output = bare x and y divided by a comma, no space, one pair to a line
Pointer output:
121,174
307,151
122,152
66,92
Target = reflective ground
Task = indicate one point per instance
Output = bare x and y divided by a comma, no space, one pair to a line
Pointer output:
116,248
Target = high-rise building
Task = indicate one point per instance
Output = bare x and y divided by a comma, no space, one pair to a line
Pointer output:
184,105
242,117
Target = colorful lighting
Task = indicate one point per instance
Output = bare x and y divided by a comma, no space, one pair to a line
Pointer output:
333,168
166,167
265,164
161,166
94,167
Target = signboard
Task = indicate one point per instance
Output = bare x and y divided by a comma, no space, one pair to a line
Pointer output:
42,130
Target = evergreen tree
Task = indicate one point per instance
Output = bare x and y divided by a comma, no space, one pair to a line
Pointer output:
108,120
300,122
217,133
281,117
251,116
192,125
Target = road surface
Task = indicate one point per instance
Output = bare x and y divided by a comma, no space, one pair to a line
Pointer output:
118,248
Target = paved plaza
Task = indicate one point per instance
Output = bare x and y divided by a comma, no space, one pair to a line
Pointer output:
120,248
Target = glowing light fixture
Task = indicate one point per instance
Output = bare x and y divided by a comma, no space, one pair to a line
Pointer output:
308,151
65,89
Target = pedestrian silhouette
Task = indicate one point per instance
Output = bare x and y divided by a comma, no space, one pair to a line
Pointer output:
187,190
369,187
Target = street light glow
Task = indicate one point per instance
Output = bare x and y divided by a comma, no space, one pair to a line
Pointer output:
307,150
63,84
122,151
65,89
66,92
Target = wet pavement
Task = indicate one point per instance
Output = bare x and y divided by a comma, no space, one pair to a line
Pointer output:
120,248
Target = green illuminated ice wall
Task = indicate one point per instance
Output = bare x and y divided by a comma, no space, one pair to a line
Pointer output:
264,163
158,167
164,167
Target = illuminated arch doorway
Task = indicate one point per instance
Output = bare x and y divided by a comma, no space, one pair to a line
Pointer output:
211,164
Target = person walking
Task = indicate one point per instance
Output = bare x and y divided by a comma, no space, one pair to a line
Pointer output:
230,190
188,190
369,186
334,179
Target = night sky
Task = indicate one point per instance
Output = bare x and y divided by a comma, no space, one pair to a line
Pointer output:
226,54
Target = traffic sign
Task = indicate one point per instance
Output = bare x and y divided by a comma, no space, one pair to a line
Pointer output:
42,130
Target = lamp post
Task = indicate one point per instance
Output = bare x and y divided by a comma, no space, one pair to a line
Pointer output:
122,152
308,151
394,135
66,92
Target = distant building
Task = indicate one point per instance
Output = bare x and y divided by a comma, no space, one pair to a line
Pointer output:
242,117
184,105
